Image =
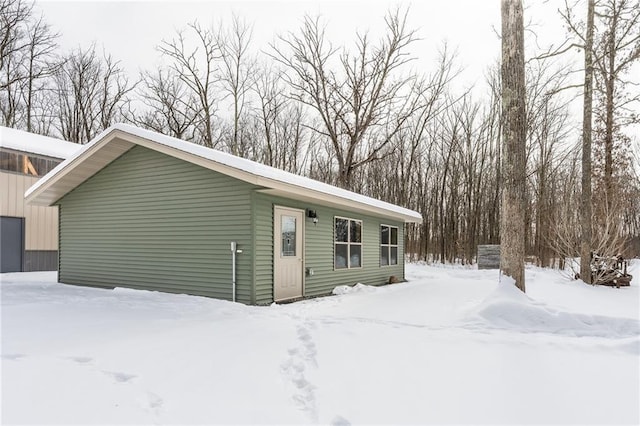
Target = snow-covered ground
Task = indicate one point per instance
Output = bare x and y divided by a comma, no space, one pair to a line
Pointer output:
450,346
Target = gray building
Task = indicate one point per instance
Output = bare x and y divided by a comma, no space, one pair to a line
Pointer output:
142,210
28,234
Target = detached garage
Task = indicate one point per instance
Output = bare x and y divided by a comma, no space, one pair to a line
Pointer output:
142,210
28,234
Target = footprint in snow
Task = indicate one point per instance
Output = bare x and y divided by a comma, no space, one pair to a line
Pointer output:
120,377
13,357
294,368
155,401
151,402
308,346
81,359
340,421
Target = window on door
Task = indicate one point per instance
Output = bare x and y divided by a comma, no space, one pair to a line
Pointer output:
347,239
388,245
288,229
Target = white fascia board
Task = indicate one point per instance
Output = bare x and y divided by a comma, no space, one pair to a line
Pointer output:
73,171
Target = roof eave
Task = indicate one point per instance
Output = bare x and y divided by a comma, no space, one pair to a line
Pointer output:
43,192
286,191
271,185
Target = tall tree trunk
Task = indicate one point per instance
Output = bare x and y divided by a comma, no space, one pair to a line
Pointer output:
609,106
585,242
512,226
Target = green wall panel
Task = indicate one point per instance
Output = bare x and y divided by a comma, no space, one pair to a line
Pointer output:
318,252
150,221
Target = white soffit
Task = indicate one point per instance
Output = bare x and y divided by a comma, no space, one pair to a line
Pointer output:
75,170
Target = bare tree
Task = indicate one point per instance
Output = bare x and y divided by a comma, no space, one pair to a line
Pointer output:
39,65
360,98
548,130
91,93
197,67
28,60
15,16
170,105
616,51
610,39
237,75
272,103
587,113
608,236
512,227
564,238
433,102
281,121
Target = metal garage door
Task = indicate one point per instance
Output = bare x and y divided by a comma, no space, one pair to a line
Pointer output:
11,243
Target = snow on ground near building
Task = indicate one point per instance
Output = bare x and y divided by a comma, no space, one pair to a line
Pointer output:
450,346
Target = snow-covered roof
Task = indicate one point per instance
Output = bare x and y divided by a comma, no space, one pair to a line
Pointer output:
119,138
32,143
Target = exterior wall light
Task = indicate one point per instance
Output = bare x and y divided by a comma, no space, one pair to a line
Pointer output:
312,215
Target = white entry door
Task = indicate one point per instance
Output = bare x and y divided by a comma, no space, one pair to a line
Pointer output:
288,244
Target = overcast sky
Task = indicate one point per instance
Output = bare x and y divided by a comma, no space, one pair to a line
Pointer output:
130,31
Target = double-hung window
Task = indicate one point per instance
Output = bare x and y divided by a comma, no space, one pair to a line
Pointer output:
388,245
347,242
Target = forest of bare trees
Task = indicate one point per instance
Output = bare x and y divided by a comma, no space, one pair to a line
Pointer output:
365,119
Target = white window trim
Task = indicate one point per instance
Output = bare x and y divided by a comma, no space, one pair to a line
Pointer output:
388,246
348,244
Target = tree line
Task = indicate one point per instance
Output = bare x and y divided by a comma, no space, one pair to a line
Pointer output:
364,118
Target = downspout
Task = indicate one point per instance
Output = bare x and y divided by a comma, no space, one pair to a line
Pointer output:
234,251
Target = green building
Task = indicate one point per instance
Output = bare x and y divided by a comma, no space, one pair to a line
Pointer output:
142,210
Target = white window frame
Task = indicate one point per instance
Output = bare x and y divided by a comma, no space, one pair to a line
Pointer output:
389,245
348,243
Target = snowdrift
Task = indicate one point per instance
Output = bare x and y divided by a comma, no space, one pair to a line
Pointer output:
507,308
358,288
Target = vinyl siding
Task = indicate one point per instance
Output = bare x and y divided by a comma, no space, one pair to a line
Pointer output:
150,221
318,251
